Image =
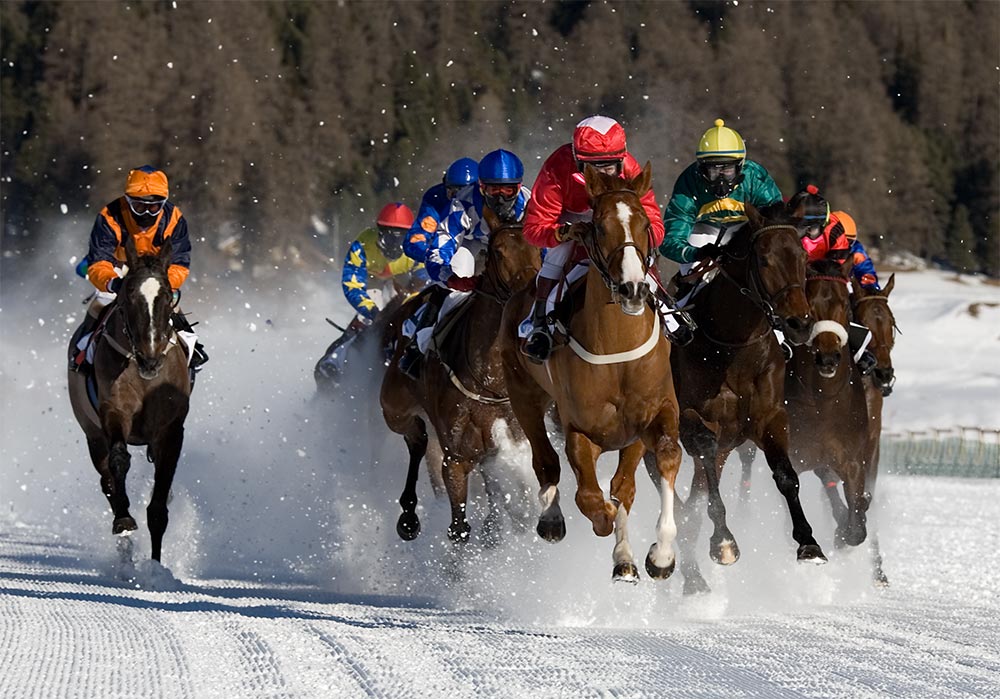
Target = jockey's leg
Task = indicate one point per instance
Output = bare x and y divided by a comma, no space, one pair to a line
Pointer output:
858,337
411,360
180,322
677,324
538,346
77,355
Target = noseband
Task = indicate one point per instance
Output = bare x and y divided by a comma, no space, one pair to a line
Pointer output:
602,262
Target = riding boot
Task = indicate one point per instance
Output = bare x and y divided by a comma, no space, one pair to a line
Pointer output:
684,332
858,337
412,359
198,356
538,346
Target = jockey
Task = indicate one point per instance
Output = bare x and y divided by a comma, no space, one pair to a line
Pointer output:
712,193
842,223
824,237
450,258
377,254
435,206
559,199
145,214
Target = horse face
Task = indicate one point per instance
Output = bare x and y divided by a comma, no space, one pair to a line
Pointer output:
147,308
516,260
871,309
829,300
781,264
620,240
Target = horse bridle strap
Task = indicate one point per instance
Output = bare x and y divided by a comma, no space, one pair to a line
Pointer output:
617,357
457,383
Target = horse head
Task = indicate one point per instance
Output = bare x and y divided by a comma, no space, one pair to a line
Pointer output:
618,240
766,258
871,309
145,299
511,261
828,291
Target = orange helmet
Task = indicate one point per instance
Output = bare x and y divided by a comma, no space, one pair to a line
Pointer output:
845,219
395,215
146,181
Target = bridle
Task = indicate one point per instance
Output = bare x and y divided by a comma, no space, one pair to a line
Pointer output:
130,352
602,262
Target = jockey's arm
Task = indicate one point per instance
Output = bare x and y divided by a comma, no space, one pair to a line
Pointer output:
678,221
354,281
103,243
864,268
417,240
541,216
180,258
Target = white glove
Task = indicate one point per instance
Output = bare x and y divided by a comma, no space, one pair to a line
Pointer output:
376,296
435,257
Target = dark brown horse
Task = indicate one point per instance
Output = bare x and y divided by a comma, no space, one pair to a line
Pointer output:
827,412
461,390
611,380
143,387
730,379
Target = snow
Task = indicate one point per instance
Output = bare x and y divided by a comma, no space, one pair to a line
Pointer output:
283,574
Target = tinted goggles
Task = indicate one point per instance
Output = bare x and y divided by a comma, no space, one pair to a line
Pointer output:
501,190
714,171
140,207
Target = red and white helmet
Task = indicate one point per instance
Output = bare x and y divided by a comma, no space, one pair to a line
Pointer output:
598,138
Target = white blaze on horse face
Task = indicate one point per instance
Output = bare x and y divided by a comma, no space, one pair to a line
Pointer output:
149,290
632,270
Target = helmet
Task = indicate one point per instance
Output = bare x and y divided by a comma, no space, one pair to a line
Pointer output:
147,181
393,221
721,154
814,210
501,167
500,175
461,173
598,138
845,220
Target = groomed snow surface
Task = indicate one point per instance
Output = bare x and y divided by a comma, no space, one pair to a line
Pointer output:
283,576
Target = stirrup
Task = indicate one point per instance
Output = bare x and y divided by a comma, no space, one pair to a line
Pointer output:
538,346
681,336
198,357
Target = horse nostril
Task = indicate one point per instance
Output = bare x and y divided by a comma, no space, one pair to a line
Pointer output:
795,323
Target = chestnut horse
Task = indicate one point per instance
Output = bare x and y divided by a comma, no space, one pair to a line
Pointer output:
827,412
730,379
611,380
461,389
143,387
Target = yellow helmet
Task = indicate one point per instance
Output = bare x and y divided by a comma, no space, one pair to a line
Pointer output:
720,141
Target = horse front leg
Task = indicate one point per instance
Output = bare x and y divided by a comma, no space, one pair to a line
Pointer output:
166,454
456,480
415,435
623,494
590,500
116,427
702,443
774,443
661,559
858,502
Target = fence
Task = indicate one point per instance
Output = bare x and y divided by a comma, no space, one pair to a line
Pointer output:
969,452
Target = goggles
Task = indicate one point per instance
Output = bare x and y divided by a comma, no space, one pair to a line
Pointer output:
387,231
141,207
714,171
501,190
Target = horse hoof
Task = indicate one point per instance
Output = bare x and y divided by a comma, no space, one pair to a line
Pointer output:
626,572
880,580
408,526
656,572
459,535
124,525
725,552
696,585
552,530
811,553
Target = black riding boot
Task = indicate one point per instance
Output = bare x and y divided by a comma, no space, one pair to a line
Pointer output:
198,356
77,359
858,337
685,324
538,346
411,361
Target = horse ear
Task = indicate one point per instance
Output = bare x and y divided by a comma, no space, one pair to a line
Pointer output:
888,287
756,220
166,252
492,220
641,183
131,254
595,184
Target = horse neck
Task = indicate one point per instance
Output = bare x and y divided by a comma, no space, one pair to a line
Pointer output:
729,314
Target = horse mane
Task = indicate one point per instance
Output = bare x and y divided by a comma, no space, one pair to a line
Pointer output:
825,268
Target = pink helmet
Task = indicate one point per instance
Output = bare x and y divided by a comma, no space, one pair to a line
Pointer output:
598,138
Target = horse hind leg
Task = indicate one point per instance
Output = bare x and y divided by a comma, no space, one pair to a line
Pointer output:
408,524
165,455
456,479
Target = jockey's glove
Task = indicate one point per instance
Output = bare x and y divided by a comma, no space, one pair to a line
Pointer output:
562,232
707,251
458,283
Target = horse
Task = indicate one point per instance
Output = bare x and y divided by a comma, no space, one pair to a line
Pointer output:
827,409
610,379
461,389
143,389
730,378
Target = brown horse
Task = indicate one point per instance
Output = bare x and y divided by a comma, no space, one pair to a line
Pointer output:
730,378
827,411
461,390
143,387
611,380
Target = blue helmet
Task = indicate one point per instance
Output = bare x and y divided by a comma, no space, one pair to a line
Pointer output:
462,172
501,167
